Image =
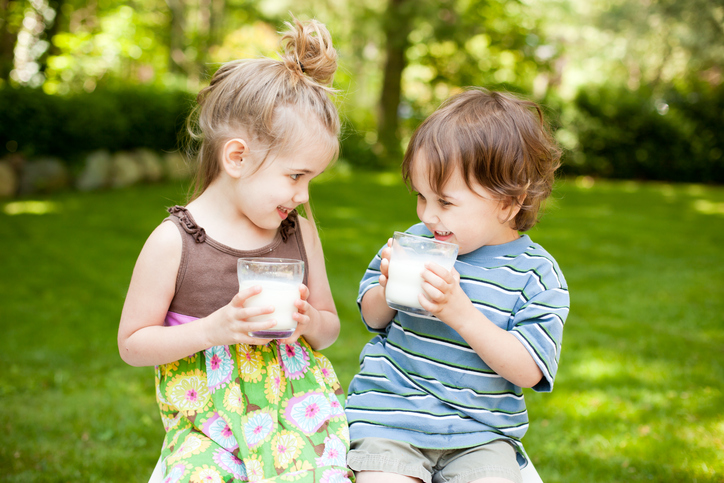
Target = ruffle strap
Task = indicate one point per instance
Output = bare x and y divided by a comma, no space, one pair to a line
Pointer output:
289,225
188,223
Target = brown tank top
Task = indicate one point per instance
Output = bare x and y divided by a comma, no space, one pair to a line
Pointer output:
207,279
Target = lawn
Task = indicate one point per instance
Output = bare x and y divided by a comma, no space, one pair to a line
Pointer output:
638,397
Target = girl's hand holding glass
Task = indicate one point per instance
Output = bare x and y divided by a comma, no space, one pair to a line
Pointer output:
302,317
231,325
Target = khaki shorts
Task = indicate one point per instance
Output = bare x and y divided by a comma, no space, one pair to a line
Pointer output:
495,459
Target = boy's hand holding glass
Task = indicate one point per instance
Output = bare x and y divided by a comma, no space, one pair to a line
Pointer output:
410,256
443,296
385,264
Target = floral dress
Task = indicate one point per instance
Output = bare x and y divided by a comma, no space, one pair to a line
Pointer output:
241,413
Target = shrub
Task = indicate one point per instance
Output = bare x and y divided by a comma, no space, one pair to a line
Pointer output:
70,126
640,135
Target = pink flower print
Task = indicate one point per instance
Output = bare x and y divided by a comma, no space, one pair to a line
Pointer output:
219,367
219,431
176,473
335,453
308,412
257,428
231,463
275,382
286,446
295,360
251,363
188,391
206,474
336,409
335,476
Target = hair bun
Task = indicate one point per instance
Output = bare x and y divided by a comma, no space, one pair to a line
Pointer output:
308,51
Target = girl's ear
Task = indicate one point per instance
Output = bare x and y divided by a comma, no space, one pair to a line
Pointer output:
233,157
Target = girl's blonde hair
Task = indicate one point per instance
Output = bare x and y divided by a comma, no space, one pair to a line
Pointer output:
252,96
497,140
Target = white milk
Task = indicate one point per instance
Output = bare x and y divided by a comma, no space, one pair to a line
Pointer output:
280,295
405,282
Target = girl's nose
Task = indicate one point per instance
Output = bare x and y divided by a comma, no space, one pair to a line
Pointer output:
301,196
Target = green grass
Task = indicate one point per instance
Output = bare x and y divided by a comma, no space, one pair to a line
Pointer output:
638,397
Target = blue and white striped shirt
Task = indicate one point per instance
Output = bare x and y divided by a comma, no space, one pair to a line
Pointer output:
421,383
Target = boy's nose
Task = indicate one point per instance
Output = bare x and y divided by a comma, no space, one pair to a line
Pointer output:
428,215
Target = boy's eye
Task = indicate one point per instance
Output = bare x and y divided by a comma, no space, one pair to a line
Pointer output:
443,202
419,196
295,176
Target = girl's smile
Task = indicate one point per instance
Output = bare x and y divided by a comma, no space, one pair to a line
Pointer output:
283,212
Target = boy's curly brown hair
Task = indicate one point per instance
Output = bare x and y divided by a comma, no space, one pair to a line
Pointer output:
497,140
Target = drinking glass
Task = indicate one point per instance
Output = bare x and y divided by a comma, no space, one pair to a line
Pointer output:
279,279
407,262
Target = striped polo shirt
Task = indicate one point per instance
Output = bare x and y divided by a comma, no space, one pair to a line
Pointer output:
421,383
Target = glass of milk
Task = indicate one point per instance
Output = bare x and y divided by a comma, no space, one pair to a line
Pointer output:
279,279
407,262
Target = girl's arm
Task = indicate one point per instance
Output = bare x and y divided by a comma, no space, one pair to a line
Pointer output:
322,327
143,340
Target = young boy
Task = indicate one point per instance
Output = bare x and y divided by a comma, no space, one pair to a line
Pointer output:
441,400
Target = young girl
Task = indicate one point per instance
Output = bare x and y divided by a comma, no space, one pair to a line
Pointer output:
441,400
235,407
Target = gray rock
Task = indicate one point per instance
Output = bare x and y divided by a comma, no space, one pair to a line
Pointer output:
125,170
96,173
8,179
150,164
177,166
43,175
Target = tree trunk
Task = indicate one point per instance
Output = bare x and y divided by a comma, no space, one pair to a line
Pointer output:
176,55
50,32
210,30
7,41
397,25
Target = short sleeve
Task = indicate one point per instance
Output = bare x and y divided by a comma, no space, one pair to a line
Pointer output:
538,324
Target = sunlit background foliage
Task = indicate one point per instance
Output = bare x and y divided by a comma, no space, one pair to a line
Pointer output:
634,89
584,60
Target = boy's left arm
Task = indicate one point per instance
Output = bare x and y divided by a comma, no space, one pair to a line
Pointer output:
502,351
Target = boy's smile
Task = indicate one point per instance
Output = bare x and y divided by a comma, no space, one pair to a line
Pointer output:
443,235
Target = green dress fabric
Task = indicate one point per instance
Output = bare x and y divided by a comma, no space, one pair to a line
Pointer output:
271,413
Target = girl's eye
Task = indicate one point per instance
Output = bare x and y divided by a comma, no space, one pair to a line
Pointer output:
295,176
420,197
443,202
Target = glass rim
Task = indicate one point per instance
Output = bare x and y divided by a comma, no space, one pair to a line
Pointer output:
271,260
432,240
